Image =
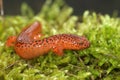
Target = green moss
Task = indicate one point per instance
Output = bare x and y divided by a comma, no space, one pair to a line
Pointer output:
100,61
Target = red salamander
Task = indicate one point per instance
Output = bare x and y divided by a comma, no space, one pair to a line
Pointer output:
28,44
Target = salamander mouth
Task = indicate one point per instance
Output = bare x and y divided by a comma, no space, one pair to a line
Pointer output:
84,42
87,44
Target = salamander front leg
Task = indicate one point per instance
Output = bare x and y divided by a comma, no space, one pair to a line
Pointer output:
58,51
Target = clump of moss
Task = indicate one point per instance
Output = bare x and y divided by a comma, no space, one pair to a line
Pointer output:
100,61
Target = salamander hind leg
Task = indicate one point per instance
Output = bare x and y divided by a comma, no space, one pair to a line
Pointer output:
58,51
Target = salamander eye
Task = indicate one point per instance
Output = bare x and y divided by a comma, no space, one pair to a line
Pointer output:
81,42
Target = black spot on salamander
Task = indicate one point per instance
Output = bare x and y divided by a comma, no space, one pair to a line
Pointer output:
36,43
18,45
46,40
22,46
33,44
28,46
40,42
85,44
51,40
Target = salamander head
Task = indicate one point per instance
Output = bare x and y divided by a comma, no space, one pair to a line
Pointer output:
10,41
80,42
83,42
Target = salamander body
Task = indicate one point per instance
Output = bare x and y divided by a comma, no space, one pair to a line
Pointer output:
27,46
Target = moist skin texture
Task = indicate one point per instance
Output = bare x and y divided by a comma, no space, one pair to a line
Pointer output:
28,44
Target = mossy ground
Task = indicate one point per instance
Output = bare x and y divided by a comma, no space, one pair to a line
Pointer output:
99,62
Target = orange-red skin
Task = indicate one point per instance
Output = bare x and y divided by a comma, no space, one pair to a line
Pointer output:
29,47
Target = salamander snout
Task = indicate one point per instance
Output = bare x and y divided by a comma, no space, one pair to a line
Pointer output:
84,42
